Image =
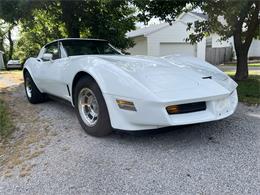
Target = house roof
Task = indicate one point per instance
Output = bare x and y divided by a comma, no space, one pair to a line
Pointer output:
153,28
146,30
201,15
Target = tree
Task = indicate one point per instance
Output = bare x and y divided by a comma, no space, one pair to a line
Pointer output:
110,20
15,10
5,35
240,19
106,19
11,12
72,19
45,27
2,35
165,10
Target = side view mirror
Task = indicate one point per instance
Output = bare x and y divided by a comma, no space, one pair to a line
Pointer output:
47,57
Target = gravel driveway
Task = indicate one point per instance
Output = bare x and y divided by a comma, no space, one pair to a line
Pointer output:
50,154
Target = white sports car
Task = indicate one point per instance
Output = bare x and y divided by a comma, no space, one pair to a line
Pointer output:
111,90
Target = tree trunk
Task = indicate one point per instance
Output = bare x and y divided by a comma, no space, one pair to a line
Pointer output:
70,18
241,53
11,45
242,66
2,44
242,47
73,30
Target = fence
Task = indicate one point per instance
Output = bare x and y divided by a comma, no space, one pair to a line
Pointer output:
218,56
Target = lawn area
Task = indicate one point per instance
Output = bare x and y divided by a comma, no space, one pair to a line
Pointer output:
6,126
250,64
248,90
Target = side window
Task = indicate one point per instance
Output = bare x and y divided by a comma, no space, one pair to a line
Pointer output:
53,49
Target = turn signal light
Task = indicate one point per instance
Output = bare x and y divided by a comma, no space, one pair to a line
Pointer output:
186,108
126,105
173,109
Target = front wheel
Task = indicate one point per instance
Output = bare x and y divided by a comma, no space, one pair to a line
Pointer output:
91,108
33,94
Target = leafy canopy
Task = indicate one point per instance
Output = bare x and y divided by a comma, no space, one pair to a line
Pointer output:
42,21
227,17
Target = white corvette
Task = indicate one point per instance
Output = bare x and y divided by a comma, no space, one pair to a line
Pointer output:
111,90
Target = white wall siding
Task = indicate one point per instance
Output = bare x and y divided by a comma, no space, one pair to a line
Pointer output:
254,50
177,48
140,47
153,46
175,34
168,39
217,43
201,49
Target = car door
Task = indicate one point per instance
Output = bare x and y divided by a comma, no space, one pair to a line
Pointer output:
52,72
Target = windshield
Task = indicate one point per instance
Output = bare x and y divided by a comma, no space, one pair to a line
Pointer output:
88,47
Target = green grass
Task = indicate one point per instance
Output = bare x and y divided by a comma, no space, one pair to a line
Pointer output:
248,90
250,64
251,72
6,126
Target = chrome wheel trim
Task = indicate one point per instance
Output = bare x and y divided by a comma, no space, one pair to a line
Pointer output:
28,87
88,107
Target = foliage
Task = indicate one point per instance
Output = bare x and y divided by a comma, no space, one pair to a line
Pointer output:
44,27
165,10
42,21
106,19
110,20
238,19
5,36
2,35
10,13
224,18
15,10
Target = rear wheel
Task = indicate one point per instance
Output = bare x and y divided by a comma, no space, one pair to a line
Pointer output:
91,108
32,92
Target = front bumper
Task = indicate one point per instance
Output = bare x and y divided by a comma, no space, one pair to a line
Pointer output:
152,115
10,66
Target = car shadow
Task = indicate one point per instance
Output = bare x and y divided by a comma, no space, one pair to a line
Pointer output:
211,132
150,132
194,134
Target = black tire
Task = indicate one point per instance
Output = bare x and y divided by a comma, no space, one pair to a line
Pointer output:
36,96
102,126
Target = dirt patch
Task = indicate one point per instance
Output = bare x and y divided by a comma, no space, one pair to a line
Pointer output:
10,78
31,133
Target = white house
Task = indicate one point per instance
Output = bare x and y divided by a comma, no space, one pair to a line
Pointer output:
1,60
164,39
214,41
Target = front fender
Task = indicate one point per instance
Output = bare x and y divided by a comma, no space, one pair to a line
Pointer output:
115,81
30,66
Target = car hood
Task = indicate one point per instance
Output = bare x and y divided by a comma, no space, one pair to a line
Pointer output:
168,73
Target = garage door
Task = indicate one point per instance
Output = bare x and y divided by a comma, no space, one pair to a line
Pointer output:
177,48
